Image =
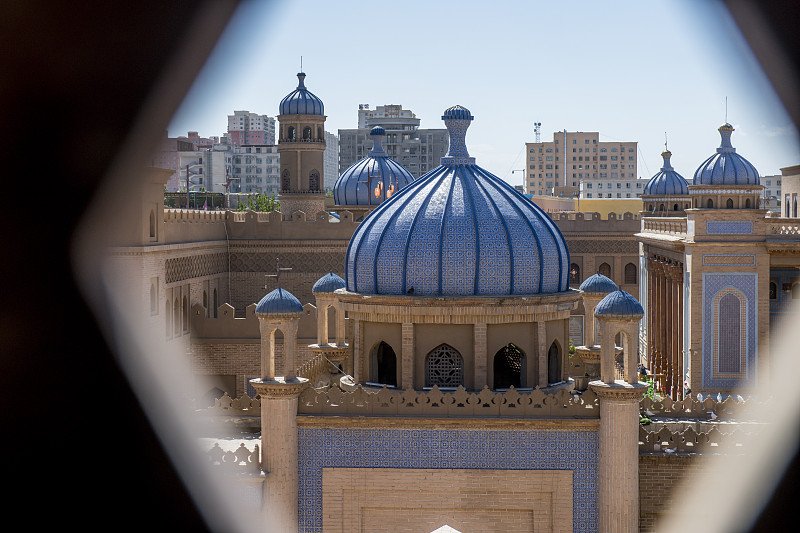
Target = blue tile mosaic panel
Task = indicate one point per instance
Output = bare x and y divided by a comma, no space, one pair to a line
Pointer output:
729,227
320,448
716,287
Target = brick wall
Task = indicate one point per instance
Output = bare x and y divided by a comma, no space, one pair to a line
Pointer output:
659,477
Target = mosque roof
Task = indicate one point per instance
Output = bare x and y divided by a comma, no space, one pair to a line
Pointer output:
667,182
726,167
301,101
457,231
328,283
598,284
279,302
372,179
619,304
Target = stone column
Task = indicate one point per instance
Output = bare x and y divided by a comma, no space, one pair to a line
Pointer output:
541,338
481,358
340,325
322,320
407,356
618,458
279,451
358,347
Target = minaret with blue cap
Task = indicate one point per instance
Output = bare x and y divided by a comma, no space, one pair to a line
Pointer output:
618,465
279,388
301,145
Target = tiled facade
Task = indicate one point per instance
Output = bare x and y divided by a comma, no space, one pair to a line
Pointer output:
576,451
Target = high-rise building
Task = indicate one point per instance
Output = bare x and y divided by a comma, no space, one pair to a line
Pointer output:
245,127
256,166
574,156
418,150
331,160
199,142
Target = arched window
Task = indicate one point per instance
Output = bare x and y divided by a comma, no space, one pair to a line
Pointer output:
661,207
773,290
675,207
286,183
554,363
185,313
152,224
313,181
630,273
605,269
747,204
794,205
319,134
306,133
205,301
710,203
176,317
508,364
444,367
290,133
730,339
574,274
729,204
216,303
384,365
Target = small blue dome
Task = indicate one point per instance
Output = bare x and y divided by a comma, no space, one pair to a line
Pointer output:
667,182
328,283
373,179
598,284
301,101
457,231
619,304
726,167
279,302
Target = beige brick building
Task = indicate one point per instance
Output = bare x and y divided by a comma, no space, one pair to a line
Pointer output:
572,157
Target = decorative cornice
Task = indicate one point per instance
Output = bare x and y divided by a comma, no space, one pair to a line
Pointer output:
388,422
619,390
279,388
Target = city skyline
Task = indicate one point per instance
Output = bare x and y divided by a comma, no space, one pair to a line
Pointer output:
632,72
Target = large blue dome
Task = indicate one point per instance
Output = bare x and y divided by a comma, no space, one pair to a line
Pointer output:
667,182
726,167
372,179
301,101
457,231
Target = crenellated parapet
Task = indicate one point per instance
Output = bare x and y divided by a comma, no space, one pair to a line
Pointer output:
226,326
449,404
569,222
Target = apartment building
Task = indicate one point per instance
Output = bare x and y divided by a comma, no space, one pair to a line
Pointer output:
575,156
245,128
418,150
257,167
611,188
330,161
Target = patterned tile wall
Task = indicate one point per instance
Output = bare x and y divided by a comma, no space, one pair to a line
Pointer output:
729,227
478,449
746,286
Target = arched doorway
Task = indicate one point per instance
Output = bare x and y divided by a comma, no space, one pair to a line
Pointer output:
508,364
384,365
444,367
554,363
605,270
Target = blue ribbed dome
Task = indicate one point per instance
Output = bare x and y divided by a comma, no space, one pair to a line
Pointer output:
619,304
726,167
279,302
328,283
598,284
372,179
667,182
301,101
457,231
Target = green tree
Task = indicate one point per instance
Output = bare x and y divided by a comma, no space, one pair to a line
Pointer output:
259,202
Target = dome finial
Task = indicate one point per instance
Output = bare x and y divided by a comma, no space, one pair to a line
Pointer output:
666,154
725,131
301,76
377,133
457,119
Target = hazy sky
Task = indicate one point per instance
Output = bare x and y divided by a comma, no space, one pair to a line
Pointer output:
631,70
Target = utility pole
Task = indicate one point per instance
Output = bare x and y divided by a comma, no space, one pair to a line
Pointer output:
187,185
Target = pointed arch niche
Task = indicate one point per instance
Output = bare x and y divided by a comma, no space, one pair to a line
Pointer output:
509,367
383,365
444,367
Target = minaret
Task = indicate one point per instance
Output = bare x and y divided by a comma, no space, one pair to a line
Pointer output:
301,145
594,289
279,389
336,353
618,465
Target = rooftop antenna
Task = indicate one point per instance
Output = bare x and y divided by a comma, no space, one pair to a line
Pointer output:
301,63
537,130
726,110
277,274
